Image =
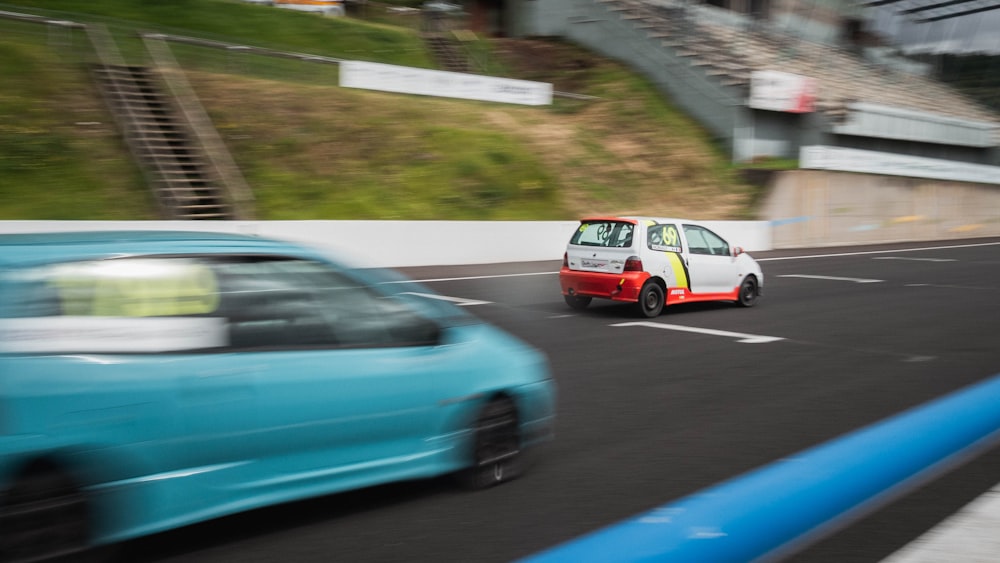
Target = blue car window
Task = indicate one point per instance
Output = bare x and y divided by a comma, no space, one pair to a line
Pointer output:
293,303
203,303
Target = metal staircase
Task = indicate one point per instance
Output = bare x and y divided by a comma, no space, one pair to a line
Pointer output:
158,138
448,55
437,31
188,167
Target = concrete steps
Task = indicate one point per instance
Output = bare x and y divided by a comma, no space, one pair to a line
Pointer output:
177,170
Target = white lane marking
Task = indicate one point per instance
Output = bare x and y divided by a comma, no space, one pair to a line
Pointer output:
915,259
946,286
473,278
876,252
757,259
456,300
743,338
967,535
834,278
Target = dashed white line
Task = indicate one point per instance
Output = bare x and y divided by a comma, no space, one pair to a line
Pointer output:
834,278
456,300
474,278
773,259
949,286
743,338
914,259
866,252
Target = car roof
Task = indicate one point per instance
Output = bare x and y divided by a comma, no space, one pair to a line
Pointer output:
638,218
39,248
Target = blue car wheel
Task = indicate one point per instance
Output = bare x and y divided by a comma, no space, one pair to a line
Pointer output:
43,516
496,446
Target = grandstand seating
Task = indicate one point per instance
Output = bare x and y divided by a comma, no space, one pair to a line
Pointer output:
731,54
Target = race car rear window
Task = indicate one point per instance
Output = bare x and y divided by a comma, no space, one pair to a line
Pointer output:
604,233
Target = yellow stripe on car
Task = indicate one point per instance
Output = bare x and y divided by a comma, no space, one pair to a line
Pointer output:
680,275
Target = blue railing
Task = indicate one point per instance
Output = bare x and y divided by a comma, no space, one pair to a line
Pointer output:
781,508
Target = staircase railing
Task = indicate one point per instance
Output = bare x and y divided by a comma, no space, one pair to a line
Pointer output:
221,161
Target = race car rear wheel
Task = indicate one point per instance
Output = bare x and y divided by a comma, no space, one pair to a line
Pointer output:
651,300
748,292
577,302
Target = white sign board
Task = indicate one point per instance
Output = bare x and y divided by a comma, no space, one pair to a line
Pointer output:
890,164
409,80
773,90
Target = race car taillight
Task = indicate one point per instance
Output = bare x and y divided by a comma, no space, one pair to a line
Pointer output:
633,264
565,260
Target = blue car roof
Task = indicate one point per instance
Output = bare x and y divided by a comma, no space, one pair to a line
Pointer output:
38,248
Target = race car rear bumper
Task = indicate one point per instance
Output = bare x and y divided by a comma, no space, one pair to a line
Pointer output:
618,287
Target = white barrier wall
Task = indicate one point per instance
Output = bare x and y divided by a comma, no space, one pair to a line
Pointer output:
397,244
810,208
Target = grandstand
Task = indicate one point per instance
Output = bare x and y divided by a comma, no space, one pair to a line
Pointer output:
706,55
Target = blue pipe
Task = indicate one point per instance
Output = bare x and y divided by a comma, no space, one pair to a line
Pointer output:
774,511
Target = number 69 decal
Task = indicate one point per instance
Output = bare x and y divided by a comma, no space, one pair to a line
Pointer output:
670,237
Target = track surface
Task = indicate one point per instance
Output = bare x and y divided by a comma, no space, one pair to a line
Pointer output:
648,415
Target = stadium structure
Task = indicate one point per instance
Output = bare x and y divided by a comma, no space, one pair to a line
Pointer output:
770,77
809,81
874,148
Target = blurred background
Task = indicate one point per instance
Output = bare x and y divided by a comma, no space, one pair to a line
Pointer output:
838,121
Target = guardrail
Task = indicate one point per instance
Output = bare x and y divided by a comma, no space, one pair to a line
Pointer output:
781,508
39,19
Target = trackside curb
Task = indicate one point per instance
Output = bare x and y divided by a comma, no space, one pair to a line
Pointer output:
781,508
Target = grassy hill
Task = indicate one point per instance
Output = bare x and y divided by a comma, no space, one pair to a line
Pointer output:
312,150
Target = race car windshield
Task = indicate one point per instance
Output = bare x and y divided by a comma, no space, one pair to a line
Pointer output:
604,233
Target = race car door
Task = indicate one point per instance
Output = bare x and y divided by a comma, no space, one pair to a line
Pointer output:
666,258
711,265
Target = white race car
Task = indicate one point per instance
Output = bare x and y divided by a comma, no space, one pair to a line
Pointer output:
655,262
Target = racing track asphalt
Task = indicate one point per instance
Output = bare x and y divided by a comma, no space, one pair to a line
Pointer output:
648,415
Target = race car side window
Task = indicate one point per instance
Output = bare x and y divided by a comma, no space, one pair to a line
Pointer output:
663,237
703,241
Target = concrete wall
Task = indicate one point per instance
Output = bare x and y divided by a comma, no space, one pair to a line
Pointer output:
809,208
802,208
397,244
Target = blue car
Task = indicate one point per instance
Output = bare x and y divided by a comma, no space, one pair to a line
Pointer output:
151,380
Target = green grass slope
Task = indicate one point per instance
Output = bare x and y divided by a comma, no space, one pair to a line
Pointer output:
312,150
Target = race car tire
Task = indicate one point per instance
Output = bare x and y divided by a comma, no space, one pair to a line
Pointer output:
577,302
748,292
651,300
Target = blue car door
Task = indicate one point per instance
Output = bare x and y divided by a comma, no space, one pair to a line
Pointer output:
347,382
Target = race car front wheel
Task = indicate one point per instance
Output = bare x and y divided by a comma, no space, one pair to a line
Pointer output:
748,292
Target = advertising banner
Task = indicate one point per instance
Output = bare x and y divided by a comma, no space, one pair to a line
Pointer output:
409,80
773,90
